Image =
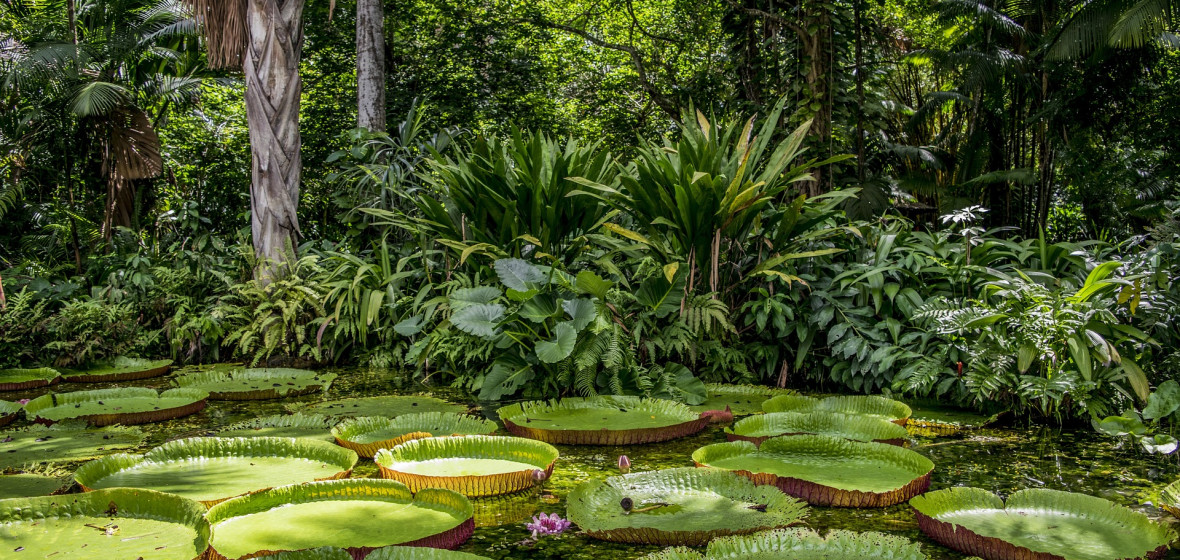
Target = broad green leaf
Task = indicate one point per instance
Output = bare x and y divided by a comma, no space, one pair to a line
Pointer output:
480,320
1136,378
1162,444
634,236
464,297
590,283
410,326
519,274
670,271
562,345
1163,401
1118,426
539,308
581,311
1025,357
508,374
1081,355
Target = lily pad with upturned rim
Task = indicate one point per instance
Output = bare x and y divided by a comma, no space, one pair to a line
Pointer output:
22,379
602,420
30,485
471,465
933,419
257,383
368,434
117,369
8,412
389,406
741,400
757,429
869,405
801,544
126,405
359,515
1038,524
826,470
684,506
67,441
385,553
303,426
211,470
141,524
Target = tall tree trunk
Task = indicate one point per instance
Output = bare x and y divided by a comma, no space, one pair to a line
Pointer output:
370,65
273,89
817,49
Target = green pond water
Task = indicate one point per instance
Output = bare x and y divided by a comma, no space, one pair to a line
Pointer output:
1002,460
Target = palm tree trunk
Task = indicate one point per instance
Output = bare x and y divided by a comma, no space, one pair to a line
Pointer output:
370,65
273,89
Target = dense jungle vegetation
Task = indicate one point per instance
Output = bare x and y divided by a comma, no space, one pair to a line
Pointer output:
972,200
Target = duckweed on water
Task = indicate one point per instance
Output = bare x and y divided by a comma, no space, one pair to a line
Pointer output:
1000,460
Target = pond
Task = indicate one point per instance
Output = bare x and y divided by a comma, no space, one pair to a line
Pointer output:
1002,460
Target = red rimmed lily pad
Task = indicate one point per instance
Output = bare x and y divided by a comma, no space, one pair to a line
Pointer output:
117,369
1039,524
368,434
211,470
358,515
602,420
8,412
22,379
757,429
126,405
826,470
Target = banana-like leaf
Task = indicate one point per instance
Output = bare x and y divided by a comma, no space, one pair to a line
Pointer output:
801,544
684,506
257,383
211,470
126,405
471,465
602,420
826,470
856,427
106,524
23,379
871,405
359,515
368,434
1049,523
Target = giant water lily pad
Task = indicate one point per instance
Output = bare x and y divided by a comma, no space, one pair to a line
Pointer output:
69,441
387,553
359,515
309,426
801,544
21,379
210,470
739,399
118,369
683,506
257,383
470,465
388,406
1038,524
826,470
869,405
367,434
127,405
855,427
118,523
29,485
8,412
602,420
933,419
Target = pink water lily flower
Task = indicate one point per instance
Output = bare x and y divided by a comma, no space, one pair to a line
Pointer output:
547,524
23,402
